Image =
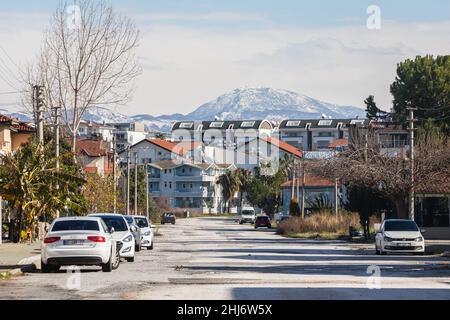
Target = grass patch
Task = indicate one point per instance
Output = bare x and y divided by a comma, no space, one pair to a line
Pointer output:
5,275
315,235
323,225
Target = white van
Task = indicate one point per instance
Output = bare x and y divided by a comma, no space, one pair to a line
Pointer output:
248,215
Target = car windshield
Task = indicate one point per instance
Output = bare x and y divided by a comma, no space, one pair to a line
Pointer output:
169,215
247,212
118,223
142,222
400,226
129,220
76,225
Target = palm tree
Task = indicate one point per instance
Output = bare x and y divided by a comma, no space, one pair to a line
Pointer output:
243,178
28,182
230,186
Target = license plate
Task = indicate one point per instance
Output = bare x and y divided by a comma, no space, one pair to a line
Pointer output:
73,242
404,244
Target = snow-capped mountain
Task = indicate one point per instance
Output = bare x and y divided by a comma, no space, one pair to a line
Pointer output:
267,103
248,104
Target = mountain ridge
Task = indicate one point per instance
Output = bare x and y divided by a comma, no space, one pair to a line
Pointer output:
239,104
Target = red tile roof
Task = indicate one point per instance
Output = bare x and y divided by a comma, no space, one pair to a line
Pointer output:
168,145
438,186
338,143
6,119
92,148
310,181
283,146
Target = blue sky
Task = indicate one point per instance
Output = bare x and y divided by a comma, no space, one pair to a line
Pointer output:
194,50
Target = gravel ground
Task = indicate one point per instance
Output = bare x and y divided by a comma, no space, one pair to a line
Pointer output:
216,258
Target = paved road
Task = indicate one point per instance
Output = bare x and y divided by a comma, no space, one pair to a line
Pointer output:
212,258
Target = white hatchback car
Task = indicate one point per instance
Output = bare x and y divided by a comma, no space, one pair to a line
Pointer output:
122,233
146,231
402,236
79,241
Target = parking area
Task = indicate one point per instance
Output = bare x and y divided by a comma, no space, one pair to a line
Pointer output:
216,258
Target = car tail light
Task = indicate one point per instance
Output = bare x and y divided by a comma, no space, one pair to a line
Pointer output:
51,239
97,239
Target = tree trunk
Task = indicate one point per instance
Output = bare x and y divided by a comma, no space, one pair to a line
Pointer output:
402,212
19,226
74,142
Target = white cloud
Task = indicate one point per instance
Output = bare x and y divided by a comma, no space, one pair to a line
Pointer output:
187,66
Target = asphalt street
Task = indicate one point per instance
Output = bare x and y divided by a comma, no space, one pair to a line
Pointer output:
216,258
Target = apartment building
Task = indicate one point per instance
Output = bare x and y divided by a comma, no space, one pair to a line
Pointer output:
154,150
128,134
221,133
187,185
318,134
94,130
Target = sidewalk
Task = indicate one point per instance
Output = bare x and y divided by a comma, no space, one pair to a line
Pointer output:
14,257
438,246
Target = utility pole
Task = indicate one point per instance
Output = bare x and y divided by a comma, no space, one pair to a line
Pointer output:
303,191
136,183
57,152
1,220
411,162
114,172
293,181
38,99
128,180
336,197
147,191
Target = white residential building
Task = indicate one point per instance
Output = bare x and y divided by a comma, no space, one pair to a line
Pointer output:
187,185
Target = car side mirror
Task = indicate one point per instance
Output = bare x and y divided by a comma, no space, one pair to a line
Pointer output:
46,229
423,231
133,229
111,230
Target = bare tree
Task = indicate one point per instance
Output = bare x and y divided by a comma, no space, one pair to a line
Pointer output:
365,165
88,59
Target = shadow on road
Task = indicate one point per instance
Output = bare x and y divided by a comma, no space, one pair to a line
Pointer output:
338,294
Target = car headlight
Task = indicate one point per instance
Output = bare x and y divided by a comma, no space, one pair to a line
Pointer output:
148,233
419,239
128,238
387,239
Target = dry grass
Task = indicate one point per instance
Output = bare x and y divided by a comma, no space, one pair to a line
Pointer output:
320,225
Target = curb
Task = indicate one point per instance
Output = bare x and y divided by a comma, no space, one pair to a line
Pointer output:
27,265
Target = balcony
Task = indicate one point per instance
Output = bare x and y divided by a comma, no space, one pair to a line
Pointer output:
195,178
193,193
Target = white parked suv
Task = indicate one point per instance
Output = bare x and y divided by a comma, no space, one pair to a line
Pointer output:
146,231
122,233
248,215
398,235
79,241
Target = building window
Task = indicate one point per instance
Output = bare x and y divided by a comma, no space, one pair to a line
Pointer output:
165,185
170,185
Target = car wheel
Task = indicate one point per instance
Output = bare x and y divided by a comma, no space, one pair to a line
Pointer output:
46,268
151,247
130,259
162,222
173,222
108,267
116,260
137,248
377,252
382,252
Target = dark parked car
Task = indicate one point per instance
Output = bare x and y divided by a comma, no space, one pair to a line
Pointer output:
263,222
168,218
136,231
